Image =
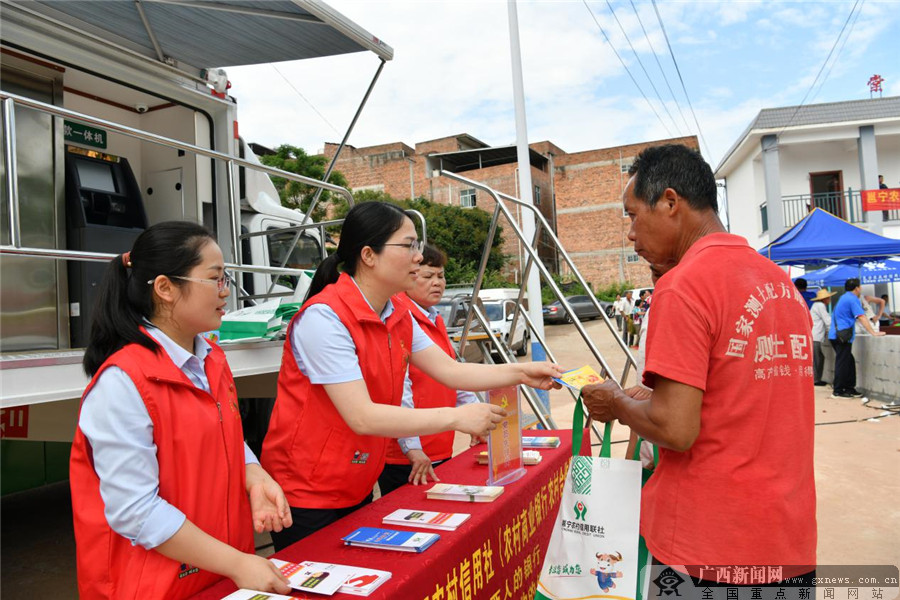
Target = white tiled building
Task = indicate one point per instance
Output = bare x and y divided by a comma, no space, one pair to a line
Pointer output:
793,158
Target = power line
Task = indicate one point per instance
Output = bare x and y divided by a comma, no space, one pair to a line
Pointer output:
659,64
641,63
627,70
680,78
304,98
841,49
822,68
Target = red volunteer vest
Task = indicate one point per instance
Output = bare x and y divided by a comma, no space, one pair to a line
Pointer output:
428,393
309,448
200,451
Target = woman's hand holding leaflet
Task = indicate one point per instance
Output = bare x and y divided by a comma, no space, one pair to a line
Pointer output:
541,374
257,573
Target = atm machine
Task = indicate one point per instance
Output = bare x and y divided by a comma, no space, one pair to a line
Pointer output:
104,213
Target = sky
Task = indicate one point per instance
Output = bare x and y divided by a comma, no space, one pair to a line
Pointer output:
451,71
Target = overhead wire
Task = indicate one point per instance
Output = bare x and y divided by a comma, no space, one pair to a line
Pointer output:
313,107
627,70
841,49
305,99
680,78
822,68
659,64
641,63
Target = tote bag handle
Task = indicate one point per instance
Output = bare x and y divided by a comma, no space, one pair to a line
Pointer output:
578,432
637,451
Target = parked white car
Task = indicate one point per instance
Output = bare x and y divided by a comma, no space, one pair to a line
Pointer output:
500,306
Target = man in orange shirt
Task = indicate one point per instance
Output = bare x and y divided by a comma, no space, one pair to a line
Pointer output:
729,360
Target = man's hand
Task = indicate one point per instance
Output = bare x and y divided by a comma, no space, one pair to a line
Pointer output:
599,398
421,467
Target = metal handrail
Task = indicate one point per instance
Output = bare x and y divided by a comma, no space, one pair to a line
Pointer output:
82,256
546,420
9,102
534,259
557,244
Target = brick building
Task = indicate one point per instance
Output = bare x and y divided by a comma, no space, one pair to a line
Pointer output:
586,186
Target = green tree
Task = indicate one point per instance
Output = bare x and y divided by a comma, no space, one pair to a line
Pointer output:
461,233
294,194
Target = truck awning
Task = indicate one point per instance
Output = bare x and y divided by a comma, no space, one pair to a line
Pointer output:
200,33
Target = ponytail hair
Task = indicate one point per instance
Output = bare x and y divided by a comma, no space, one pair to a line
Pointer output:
125,298
367,224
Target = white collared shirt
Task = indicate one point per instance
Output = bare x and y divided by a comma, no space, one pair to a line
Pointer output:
115,421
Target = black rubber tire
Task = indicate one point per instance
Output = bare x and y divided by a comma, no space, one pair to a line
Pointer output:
526,341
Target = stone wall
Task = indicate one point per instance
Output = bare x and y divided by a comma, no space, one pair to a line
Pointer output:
877,366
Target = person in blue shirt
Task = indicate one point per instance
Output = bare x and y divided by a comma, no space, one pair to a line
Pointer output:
847,312
801,285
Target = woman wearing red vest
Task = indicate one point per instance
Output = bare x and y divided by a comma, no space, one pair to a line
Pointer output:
341,381
413,459
165,494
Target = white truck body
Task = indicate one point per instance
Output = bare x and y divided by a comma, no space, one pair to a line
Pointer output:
150,68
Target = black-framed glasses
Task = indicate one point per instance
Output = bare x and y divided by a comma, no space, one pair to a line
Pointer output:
222,283
414,247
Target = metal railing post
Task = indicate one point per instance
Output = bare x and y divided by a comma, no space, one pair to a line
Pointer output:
546,274
12,177
233,216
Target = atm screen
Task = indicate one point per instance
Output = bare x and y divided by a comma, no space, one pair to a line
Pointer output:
96,175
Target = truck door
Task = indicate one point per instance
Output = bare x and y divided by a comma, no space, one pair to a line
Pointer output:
33,290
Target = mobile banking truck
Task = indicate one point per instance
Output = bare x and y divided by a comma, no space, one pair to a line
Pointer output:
117,115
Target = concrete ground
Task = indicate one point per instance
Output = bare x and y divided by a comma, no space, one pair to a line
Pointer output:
857,482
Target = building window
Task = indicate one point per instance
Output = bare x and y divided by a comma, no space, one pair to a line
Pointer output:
764,217
632,258
537,195
467,198
624,167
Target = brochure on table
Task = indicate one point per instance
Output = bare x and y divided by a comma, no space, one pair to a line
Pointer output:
540,442
328,578
446,521
390,539
530,457
254,595
463,493
505,463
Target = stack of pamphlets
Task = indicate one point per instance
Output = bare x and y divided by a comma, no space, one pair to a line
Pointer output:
328,578
529,457
540,442
426,519
464,493
390,539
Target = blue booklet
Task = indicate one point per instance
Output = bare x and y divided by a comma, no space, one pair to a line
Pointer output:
390,539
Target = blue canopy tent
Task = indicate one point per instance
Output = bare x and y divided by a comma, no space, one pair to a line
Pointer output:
821,237
887,271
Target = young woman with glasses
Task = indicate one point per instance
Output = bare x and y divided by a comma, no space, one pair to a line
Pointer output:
165,494
341,380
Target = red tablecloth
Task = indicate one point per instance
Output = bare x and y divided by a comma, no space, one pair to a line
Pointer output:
496,554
